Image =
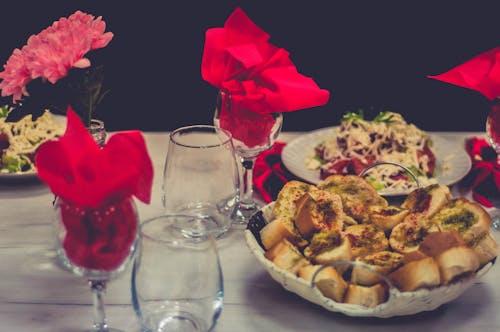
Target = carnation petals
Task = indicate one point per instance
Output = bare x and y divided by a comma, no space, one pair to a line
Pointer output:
55,50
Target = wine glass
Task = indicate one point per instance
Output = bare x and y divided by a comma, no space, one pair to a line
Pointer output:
97,244
493,135
252,134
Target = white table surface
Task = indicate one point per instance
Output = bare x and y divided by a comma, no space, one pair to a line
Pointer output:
36,295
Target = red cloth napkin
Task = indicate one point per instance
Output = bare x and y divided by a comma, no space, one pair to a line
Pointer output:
484,177
481,73
270,175
259,76
94,186
78,170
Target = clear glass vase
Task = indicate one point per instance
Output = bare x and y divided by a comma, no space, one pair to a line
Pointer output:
98,131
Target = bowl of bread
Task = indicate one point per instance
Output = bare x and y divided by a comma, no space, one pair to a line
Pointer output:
344,247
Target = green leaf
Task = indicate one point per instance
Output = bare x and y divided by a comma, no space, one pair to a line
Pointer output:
375,184
4,111
384,117
352,116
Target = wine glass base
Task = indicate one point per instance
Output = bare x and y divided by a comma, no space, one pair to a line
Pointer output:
243,213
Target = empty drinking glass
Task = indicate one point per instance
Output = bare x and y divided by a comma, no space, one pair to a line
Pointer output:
201,176
176,278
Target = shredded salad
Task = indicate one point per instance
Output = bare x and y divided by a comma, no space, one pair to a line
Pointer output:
358,143
20,140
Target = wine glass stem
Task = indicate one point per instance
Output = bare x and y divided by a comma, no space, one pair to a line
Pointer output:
98,288
246,183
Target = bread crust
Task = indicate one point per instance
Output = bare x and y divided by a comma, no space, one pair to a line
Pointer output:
286,256
333,251
386,217
329,281
366,239
319,210
456,262
427,200
468,218
370,296
423,273
486,249
357,194
406,236
383,262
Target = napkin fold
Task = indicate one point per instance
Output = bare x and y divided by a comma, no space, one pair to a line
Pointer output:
270,175
481,73
78,170
484,177
259,77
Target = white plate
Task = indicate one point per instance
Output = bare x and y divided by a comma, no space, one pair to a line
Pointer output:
31,175
449,153
398,304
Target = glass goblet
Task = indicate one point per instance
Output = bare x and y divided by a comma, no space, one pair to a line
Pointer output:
253,133
493,135
96,244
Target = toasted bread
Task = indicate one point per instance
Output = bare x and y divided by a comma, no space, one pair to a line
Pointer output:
486,248
357,194
386,217
276,230
327,247
285,206
319,210
456,262
427,200
468,218
366,239
365,296
433,244
286,256
328,281
384,262
423,273
406,236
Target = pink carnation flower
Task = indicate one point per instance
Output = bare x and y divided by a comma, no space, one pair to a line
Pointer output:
53,52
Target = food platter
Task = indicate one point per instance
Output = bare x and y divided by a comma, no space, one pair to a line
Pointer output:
30,175
398,303
452,160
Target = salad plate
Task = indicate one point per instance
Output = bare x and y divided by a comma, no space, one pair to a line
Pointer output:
31,174
452,161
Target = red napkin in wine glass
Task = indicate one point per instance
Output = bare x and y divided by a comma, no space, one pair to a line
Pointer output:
484,177
481,73
260,77
94,186
78,170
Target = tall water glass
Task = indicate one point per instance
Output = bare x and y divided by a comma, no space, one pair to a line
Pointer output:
201,176
176,278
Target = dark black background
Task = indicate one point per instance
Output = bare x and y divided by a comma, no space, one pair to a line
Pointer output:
369,54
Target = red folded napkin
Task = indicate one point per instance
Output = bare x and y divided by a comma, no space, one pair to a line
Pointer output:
94,186
481,73
259,76
78,170
484,177
270,175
